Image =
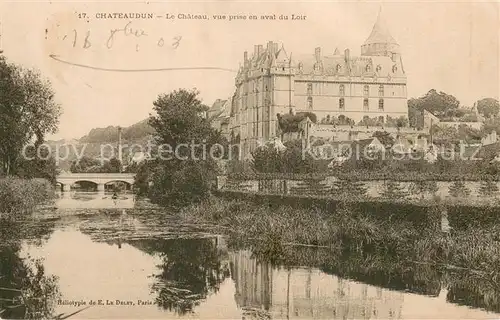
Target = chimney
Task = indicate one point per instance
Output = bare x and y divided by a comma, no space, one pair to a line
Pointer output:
317,53
347,54
256,50
245,56
120,147
271,48
394,57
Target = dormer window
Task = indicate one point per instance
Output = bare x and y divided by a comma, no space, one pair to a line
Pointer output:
301,66
379,67
394,69
368,68
339,68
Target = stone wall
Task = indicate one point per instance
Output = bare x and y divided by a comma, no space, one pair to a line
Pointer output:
326,187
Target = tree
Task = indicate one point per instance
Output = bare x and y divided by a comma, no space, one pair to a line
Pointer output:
488,107
185,165
267,159
437,103
28,112
33,166
111,166
290,122
84,164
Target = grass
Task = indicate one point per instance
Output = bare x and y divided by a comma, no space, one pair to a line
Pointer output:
20,196
271,230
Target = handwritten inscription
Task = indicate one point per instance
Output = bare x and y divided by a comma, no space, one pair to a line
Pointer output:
128,32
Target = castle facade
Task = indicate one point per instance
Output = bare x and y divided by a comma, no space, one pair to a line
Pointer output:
272,81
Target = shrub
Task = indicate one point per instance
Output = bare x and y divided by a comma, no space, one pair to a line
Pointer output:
20,196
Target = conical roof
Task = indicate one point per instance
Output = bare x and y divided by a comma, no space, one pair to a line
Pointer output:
380,32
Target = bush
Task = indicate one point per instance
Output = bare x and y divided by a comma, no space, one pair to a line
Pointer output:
182,183
20,196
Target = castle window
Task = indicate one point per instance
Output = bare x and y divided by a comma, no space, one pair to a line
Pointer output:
341,104
341,90
381,90
381,104
394,69
365,105
309,89
366,90
283,68
309,102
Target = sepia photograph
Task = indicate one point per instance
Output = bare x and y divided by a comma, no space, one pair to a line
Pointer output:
249,159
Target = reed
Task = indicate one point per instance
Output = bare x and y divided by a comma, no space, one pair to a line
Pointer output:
19,197
271,229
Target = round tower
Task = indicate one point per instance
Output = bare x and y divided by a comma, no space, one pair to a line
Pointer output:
380,42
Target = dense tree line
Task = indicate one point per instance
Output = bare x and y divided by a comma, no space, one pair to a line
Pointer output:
28,112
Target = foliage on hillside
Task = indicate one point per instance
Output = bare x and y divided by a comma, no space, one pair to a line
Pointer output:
92,165
137,131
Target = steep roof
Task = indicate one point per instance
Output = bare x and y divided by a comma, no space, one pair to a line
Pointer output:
380,66
380,33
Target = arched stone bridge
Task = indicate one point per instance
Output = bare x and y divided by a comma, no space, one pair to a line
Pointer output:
100,179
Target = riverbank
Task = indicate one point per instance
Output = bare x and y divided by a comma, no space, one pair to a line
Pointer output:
484,193
272,228
19,197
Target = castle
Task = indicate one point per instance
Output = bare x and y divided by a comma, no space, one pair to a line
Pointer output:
271,81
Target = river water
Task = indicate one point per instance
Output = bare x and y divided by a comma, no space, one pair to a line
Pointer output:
125,259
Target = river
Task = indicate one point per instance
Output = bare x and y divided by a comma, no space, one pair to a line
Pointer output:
126,259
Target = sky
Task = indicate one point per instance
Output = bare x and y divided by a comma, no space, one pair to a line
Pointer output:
447,46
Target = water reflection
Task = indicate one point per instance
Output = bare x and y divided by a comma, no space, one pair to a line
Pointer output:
26,292
167,269
264,291
190,270
94,200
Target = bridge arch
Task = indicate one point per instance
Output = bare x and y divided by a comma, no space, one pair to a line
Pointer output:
118,184
66,180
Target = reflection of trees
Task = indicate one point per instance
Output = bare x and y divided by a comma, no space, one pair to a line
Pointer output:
191,269
26,292
396,273
474,291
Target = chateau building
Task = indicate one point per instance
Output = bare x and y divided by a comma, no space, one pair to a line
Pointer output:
271,81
